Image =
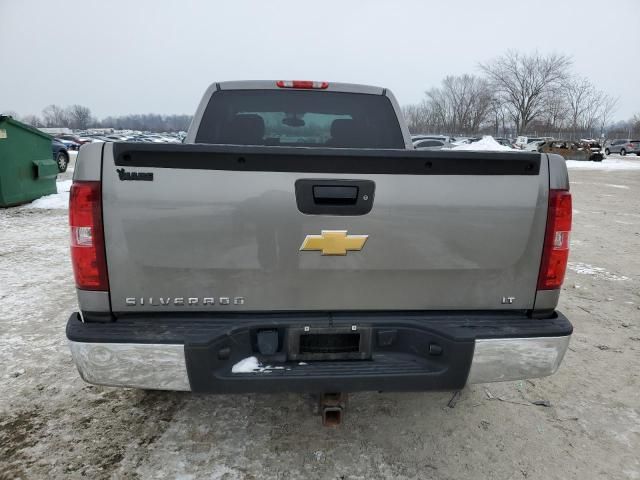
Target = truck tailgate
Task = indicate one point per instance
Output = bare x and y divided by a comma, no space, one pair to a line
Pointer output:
220,228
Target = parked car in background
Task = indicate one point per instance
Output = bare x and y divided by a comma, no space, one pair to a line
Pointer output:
442,138
60,154
595,150
583,150
117,138
74,138
623,146
523,142
98,138
431,144
464,140
504,141
69,145
533,146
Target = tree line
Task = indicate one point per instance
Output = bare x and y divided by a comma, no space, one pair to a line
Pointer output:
517,94
513,94
79,117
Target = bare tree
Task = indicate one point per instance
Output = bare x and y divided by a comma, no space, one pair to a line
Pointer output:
580,95
589,109
590,119
32,120
499,116
636,123
609,105
55,116
79,116
556,111
524,81
461,104
440,109
417,117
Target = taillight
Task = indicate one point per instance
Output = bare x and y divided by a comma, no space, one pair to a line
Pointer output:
87,238
556,242
302,84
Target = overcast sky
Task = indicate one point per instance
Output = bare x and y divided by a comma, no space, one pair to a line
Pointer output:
134,56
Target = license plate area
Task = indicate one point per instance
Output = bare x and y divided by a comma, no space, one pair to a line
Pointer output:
328,343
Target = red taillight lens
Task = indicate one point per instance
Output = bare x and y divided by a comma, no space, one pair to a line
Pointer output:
87,238
556,242
302,84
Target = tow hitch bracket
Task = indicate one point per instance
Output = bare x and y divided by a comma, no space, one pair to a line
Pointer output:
332,408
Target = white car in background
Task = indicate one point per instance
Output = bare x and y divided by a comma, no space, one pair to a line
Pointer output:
523,142
533,146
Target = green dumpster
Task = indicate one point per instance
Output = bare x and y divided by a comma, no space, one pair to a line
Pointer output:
27,169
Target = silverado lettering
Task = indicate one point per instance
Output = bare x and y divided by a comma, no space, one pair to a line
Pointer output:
165,301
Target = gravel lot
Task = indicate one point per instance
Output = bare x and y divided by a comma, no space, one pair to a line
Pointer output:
52,424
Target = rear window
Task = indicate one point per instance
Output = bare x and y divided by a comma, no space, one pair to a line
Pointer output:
300,118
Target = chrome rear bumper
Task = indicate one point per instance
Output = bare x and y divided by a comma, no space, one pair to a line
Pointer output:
137,365
163,366
503,359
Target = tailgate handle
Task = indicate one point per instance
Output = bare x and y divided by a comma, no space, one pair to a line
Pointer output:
335,195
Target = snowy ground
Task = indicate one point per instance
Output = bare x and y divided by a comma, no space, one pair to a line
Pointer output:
53,425
611,162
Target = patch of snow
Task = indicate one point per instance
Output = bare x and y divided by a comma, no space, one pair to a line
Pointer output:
246,365
599,272
606,164
487,143
251,365
610,185
63,186
58,200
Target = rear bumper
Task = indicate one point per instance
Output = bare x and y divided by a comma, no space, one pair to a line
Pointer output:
409,352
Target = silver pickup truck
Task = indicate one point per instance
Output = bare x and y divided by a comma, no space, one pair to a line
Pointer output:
297,242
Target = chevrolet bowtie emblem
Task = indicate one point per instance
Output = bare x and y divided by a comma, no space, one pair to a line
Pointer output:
333,242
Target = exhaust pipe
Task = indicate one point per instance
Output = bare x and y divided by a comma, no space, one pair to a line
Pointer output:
332,408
